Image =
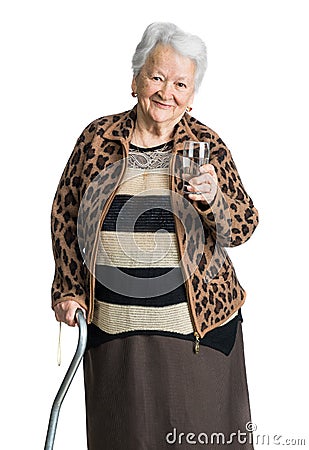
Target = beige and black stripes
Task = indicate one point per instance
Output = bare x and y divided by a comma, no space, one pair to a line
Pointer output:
115,319
138,259
137,250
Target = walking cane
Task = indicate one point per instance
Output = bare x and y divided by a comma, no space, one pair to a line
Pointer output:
54,414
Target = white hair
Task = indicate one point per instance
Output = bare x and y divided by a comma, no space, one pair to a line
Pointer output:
185,44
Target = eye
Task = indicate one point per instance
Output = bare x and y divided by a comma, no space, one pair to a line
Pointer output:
157,78
181,85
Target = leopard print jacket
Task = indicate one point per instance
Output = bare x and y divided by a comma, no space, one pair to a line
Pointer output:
87,188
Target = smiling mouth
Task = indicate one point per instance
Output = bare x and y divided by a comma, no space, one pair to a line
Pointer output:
162,105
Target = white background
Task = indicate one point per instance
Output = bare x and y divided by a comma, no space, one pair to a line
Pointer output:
65,64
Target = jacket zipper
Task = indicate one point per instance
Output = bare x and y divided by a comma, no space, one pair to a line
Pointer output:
196,334
95,247
92,265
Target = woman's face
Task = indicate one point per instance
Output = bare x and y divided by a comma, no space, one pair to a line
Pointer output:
165,85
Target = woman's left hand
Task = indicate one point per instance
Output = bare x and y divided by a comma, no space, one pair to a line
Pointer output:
204,187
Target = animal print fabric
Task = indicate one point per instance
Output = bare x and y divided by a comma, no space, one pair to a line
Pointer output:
87,187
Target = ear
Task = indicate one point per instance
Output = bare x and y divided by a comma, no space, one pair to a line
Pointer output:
191,100
134,84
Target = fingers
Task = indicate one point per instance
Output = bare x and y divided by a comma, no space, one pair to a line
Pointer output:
66,310
207,174
204,186
208,168
202,197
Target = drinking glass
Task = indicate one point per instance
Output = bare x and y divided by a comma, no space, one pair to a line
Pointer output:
195,154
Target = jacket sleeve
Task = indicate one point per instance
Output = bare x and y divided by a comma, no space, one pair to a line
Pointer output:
231,216
69,277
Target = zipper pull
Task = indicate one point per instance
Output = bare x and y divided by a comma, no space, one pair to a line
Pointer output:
197,343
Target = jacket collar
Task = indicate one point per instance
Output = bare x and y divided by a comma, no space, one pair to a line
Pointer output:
122,127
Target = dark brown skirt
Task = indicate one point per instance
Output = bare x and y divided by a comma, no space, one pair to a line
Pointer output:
152,393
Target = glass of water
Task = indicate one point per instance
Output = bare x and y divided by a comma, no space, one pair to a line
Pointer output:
195,154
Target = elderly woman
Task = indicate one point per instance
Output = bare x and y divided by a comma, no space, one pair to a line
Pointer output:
147,263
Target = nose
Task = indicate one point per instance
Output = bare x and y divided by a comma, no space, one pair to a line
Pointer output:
166,91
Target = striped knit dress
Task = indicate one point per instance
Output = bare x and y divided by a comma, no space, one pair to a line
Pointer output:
145,388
